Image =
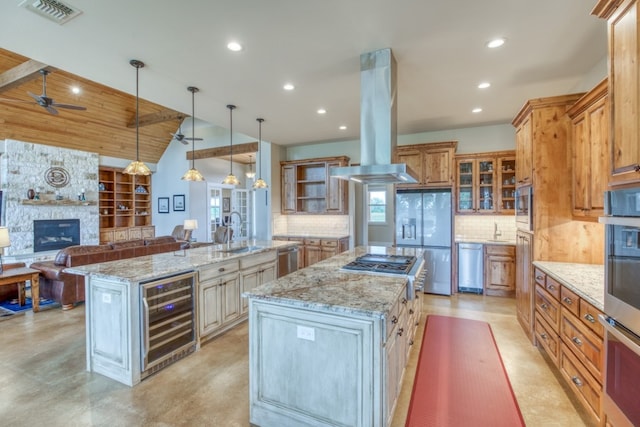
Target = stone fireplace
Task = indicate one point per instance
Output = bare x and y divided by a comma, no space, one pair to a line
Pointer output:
52,234
25,166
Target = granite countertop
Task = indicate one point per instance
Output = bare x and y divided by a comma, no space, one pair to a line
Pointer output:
139,269
323,286
485,241
311,236
586,280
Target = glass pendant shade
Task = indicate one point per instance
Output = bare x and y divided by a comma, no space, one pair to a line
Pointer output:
250,173
193,174
231,178
260,183
137,167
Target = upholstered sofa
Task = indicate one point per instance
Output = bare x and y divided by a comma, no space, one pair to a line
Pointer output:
68,289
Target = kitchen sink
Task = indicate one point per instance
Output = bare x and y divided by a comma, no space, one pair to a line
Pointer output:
242,249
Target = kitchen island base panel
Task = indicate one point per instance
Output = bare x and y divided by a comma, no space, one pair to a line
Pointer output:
310,368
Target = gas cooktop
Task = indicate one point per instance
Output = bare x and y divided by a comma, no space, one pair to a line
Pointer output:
390,264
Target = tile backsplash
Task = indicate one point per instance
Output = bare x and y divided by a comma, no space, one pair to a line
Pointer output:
311,225
482,226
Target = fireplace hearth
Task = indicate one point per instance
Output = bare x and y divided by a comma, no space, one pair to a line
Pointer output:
53,234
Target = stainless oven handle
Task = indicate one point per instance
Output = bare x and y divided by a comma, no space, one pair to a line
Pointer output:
145,333
620,220
632,343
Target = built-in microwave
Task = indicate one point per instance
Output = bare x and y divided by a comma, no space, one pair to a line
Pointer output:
524,208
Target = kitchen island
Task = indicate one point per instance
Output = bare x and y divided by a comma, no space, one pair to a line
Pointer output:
328,346
146,312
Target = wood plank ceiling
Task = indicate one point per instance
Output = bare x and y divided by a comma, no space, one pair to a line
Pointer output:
107,127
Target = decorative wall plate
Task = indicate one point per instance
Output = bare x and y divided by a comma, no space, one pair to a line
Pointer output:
56,177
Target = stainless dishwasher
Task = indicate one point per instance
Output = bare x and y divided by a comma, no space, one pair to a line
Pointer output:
287,260
470,267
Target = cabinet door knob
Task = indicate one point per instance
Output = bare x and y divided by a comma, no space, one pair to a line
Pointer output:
411,311
539,277
404,301
590,318
567,300
544,306
576,340
394,320
551,287
576,381
543,336
400,332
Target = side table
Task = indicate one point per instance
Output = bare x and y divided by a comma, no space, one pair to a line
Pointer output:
17,275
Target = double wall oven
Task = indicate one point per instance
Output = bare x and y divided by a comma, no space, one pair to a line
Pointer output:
622,307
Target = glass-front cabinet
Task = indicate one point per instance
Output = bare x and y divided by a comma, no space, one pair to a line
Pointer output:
485,183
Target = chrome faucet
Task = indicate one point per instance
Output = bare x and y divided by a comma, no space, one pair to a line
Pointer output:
496,233
229,224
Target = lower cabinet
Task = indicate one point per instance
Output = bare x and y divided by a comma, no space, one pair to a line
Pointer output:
524,292
316,249
255,271
566,328
499,270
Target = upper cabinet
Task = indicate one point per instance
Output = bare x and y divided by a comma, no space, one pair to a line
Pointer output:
307,187
431,164
485,183
590,152
624,88
524,137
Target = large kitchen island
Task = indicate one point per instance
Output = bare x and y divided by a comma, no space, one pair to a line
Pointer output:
329,346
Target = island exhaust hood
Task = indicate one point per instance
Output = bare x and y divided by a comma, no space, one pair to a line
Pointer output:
377,124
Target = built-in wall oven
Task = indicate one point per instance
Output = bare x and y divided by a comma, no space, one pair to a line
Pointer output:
622,307
524,208
168,320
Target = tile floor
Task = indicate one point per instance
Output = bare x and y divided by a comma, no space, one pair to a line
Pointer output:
45,382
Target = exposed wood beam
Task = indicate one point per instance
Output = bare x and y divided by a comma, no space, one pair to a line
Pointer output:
250,147
159,117
21,74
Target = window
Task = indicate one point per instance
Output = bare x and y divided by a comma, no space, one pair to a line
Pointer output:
377,205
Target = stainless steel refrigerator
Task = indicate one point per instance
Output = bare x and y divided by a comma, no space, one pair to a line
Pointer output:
423,219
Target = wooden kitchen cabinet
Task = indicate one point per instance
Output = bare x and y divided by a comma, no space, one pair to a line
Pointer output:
254,271
485,183
524,137
499,270
590,152
307,187
431,163
218,298
524,293
624,87
318,249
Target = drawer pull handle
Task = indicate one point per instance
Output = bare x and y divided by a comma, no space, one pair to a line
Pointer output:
394,320
551,287
543,336
410,342
400,331
576,340
539,277
221,269
576,381
544,306
590,318
411,311
404,301
567,300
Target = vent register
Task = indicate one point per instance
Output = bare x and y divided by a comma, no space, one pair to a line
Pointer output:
54,10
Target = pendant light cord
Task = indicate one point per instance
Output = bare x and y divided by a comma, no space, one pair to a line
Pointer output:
231,107
193,127
137,114
260,146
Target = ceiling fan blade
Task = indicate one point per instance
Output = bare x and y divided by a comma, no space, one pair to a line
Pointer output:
38,98
51,110
194,139
21,101
68,106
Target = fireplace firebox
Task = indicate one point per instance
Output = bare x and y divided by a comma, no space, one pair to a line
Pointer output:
53,234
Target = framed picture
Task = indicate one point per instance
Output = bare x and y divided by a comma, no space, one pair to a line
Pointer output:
226,204
163,205
178,202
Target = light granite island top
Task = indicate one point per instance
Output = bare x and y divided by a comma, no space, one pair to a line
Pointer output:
328,347
586,280
140,269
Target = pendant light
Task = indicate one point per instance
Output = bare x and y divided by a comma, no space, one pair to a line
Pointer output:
231,178
250,173
260,183
137,167
193,174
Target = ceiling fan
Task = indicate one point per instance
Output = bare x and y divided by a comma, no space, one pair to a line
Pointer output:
44,101
179,136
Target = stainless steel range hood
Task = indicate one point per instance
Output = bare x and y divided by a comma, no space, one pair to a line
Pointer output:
377,124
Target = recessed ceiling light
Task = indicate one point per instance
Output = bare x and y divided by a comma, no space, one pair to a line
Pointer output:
322,111
343,127
495,43
234,46
484,85
75,89
288,86
476,110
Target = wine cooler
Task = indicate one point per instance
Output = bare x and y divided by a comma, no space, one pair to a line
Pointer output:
168,321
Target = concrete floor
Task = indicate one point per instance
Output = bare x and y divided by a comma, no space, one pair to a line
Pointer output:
45,382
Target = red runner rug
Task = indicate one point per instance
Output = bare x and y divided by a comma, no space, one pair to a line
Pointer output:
460,380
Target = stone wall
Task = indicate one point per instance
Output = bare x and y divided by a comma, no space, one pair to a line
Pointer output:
25,166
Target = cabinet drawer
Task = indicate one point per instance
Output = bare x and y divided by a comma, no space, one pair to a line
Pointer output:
540,277
586,388
261,258
548,307
589,316
218,269
570,301
586,345
330,243
312,242
553,287
505,250
547,338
